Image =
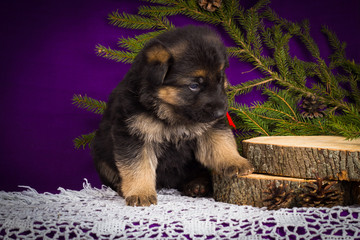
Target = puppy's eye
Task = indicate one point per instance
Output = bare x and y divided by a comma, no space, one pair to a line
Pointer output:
194,87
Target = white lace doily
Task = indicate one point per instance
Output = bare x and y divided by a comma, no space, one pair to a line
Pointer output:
101,214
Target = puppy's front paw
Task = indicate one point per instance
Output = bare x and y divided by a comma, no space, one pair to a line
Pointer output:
139,201
238,170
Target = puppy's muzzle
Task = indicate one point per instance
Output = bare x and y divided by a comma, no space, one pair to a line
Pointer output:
217,110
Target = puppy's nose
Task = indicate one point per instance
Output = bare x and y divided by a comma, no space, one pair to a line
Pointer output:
219,113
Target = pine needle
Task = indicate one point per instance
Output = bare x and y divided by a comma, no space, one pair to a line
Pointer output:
119,56
136,43
132,21
89,104
159,11
84,140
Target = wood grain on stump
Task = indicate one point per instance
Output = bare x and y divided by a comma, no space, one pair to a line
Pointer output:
329,157
296,162
250,190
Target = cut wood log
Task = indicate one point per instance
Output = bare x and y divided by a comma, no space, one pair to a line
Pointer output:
308,157
251,190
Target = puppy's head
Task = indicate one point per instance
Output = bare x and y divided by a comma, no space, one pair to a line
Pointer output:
183,76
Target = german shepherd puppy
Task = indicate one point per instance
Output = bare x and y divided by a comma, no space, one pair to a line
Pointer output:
165,124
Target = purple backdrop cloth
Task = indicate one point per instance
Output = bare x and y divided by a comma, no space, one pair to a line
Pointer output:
47,55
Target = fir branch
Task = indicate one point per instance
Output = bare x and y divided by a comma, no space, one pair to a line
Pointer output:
348,124
84,140
188,8
309,42
119,56
327,77
137,43
191,10
247,86
298,71
89,104
324,72
251,26
160,11
270,15
235,51
352,67
268,37
229,9
302,128
244,113
280,57
262,63
282,97
124,20
259,5
266,117
354,85
163,2
280,118
339,48
164,23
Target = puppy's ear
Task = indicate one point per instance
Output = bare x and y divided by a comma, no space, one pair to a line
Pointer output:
158,59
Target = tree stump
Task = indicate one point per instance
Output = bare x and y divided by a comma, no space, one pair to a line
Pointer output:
295,171
328,157
253,190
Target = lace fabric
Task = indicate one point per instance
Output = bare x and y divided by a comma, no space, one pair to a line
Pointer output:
93,213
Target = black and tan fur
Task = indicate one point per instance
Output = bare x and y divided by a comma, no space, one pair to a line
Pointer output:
165,123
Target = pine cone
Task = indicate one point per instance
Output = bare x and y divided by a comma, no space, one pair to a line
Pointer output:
312,107
320,194
210,5
278,197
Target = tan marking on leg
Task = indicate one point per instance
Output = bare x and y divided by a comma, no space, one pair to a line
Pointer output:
217,150
139,179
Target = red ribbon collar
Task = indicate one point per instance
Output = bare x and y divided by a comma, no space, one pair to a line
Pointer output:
231,123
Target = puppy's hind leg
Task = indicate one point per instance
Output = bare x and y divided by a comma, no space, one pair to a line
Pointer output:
199,186
109,175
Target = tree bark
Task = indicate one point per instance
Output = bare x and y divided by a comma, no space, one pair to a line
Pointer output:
308,157
251,190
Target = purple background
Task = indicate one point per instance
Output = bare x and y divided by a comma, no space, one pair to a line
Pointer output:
47,55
